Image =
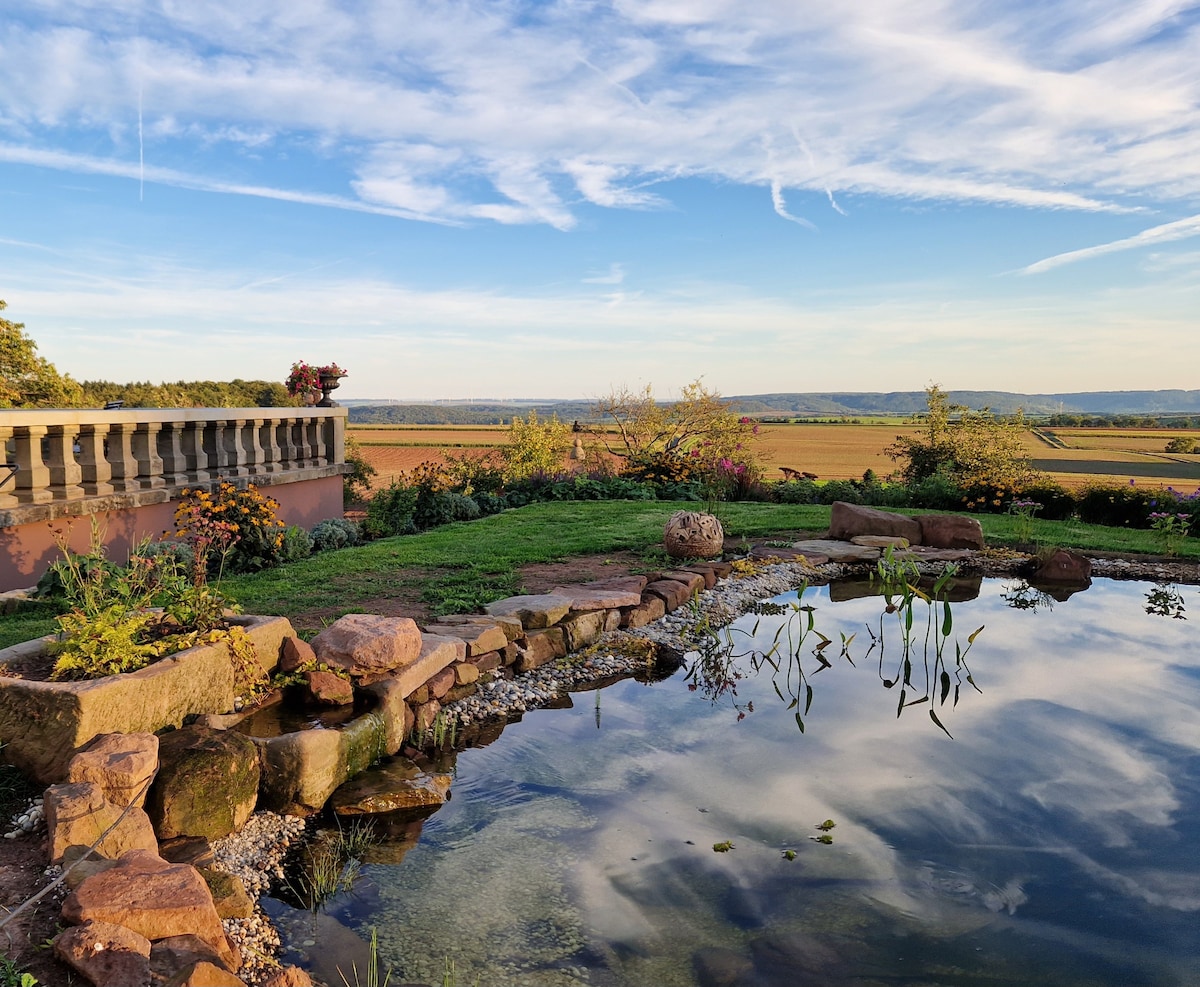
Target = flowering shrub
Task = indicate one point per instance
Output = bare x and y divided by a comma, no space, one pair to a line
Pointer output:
231,528
1171,528
1022,512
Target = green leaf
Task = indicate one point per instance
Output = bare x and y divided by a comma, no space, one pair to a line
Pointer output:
808,689
945,686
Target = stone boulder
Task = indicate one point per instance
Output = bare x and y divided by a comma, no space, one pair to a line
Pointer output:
77,815
848,520
107,955
122,764
153,898
294,653
205,974
367,645
693,535
396,785
207,783
328,689
534,612
950,531
1064,567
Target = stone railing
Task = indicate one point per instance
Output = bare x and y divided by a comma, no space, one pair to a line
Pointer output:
79,461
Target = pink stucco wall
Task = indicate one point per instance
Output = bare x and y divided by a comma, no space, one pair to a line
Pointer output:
27,550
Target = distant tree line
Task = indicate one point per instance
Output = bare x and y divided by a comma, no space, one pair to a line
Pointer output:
1123,421
187,394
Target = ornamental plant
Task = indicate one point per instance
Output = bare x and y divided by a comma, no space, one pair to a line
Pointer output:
307,377
232,530
1171,527
121,618
1022,512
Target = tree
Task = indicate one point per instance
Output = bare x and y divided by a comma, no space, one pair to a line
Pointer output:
535,446
968,446
28,380
699,425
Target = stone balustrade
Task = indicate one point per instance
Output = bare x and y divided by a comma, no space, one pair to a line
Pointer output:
124,470
135,457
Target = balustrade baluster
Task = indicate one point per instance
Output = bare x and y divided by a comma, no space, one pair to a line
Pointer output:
33,477
170,449
122,462
93,463
145,451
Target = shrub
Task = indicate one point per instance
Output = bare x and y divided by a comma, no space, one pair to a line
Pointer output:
843,490
297,544
795,492
661,468
489,503
1058,503
179,551
334,532
390,511
437,507
235,529
1121,505
535,446
357,483
1181,444
937,492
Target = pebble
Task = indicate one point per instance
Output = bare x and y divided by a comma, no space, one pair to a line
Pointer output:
27,821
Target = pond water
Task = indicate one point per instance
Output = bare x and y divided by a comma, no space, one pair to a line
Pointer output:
1053,839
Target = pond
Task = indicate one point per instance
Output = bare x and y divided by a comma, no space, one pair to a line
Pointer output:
1046,830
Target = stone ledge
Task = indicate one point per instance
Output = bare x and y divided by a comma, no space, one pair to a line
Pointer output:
52,510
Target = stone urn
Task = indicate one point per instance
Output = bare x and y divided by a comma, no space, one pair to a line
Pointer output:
329,382
693,535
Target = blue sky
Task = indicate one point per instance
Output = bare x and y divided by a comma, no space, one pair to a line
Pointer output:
469,199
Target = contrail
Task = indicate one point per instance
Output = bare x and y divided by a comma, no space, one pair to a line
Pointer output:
141,150
781,206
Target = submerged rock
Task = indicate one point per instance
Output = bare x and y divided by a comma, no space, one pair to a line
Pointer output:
395,786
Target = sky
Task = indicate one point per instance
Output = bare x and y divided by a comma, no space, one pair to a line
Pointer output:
467,199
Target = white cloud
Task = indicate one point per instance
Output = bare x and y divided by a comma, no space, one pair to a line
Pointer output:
1068,108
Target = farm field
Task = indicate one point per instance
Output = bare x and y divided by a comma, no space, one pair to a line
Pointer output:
831,451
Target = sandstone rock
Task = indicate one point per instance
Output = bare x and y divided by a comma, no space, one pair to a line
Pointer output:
583,629
480,635
436,652
834,551
694,581
153,898
394,786
205,974
673,594
228,893
705,572
194,850
175,953
848,520
880,541
693,535
207,783
795,553
649,610
295,653
587,598
366,644
441,682
106,954
540,647
632,583
122,764
544,610
328,689
393,711
79,864
950,531
487,662
76,815
1064,567
465,673
287,976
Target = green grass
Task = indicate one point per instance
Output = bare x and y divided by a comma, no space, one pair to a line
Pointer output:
462,566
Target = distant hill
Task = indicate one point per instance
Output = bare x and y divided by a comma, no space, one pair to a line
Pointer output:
820,404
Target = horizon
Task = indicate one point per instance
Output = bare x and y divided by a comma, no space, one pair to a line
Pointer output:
590,196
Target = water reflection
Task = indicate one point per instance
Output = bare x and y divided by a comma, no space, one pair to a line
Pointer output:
1165,600
1054,842
915,613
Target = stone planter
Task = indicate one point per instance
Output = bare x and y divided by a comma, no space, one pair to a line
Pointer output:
43,723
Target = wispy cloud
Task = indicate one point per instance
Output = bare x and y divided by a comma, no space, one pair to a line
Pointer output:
1086,107
1181,229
